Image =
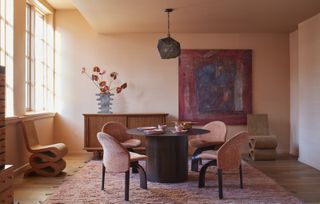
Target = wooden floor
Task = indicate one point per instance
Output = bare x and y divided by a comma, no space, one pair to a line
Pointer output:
31,190
302,180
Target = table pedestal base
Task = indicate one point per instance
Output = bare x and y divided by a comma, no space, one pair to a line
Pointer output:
167,159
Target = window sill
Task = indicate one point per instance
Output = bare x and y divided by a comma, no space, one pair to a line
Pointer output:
29,115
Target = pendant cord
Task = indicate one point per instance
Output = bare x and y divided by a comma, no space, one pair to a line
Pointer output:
168,24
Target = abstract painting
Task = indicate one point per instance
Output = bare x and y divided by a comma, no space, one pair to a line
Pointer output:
215,85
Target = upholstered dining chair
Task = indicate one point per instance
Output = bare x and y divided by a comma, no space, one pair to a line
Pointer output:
228,157
118,131
210,141
117,159
45,160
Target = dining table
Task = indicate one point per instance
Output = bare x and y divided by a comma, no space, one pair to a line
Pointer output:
167,153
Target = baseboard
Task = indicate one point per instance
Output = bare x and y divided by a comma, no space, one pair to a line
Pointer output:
314,165
21,169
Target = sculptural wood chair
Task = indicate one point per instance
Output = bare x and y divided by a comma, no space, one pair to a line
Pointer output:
45,160
117,159
228,157
262,144
209,141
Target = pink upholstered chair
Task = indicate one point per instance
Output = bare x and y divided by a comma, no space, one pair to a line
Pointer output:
228,157
118,131
210,141
117,159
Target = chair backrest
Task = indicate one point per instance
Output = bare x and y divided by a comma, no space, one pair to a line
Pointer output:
257,124
116,130
116,158
218,131
229,154
30,134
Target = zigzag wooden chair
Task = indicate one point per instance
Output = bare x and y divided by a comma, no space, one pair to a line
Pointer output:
117,159
45,160
228,157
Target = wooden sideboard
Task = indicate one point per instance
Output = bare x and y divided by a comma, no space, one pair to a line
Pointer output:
6,187
94,122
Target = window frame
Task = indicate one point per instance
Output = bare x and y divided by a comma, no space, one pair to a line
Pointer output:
6,51
32,85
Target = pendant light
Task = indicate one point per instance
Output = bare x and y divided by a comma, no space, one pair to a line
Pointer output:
168,47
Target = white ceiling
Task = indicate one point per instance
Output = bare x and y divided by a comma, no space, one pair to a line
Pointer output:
194,16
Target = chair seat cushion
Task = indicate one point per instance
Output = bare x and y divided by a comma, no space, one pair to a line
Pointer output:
209,154
131,143
137,157
197,143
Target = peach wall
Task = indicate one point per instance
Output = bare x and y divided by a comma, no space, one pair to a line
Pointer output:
309,95
152,82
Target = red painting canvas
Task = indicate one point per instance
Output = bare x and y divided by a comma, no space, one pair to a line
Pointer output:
215,85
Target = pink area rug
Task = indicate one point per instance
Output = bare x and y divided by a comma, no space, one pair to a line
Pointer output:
84,188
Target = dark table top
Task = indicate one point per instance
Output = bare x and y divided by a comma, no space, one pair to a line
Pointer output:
169,132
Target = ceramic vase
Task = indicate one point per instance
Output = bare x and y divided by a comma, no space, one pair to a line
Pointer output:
104,102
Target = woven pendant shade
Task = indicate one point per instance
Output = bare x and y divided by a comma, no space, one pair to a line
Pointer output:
168,48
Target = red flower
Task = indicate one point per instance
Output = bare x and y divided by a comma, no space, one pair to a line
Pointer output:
119,89
123,86
104,89
114,75
103,83
100,83
96,69
94,77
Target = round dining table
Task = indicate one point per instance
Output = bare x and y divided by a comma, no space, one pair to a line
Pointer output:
167,154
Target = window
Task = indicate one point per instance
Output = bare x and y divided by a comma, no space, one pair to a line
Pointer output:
39,60
6,49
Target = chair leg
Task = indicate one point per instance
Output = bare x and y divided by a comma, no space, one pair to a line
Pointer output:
142,174
194,164
220,184
134,169
126,187
195,160
202,174
241,178
103,176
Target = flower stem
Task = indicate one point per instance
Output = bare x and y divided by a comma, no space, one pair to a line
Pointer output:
92,80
